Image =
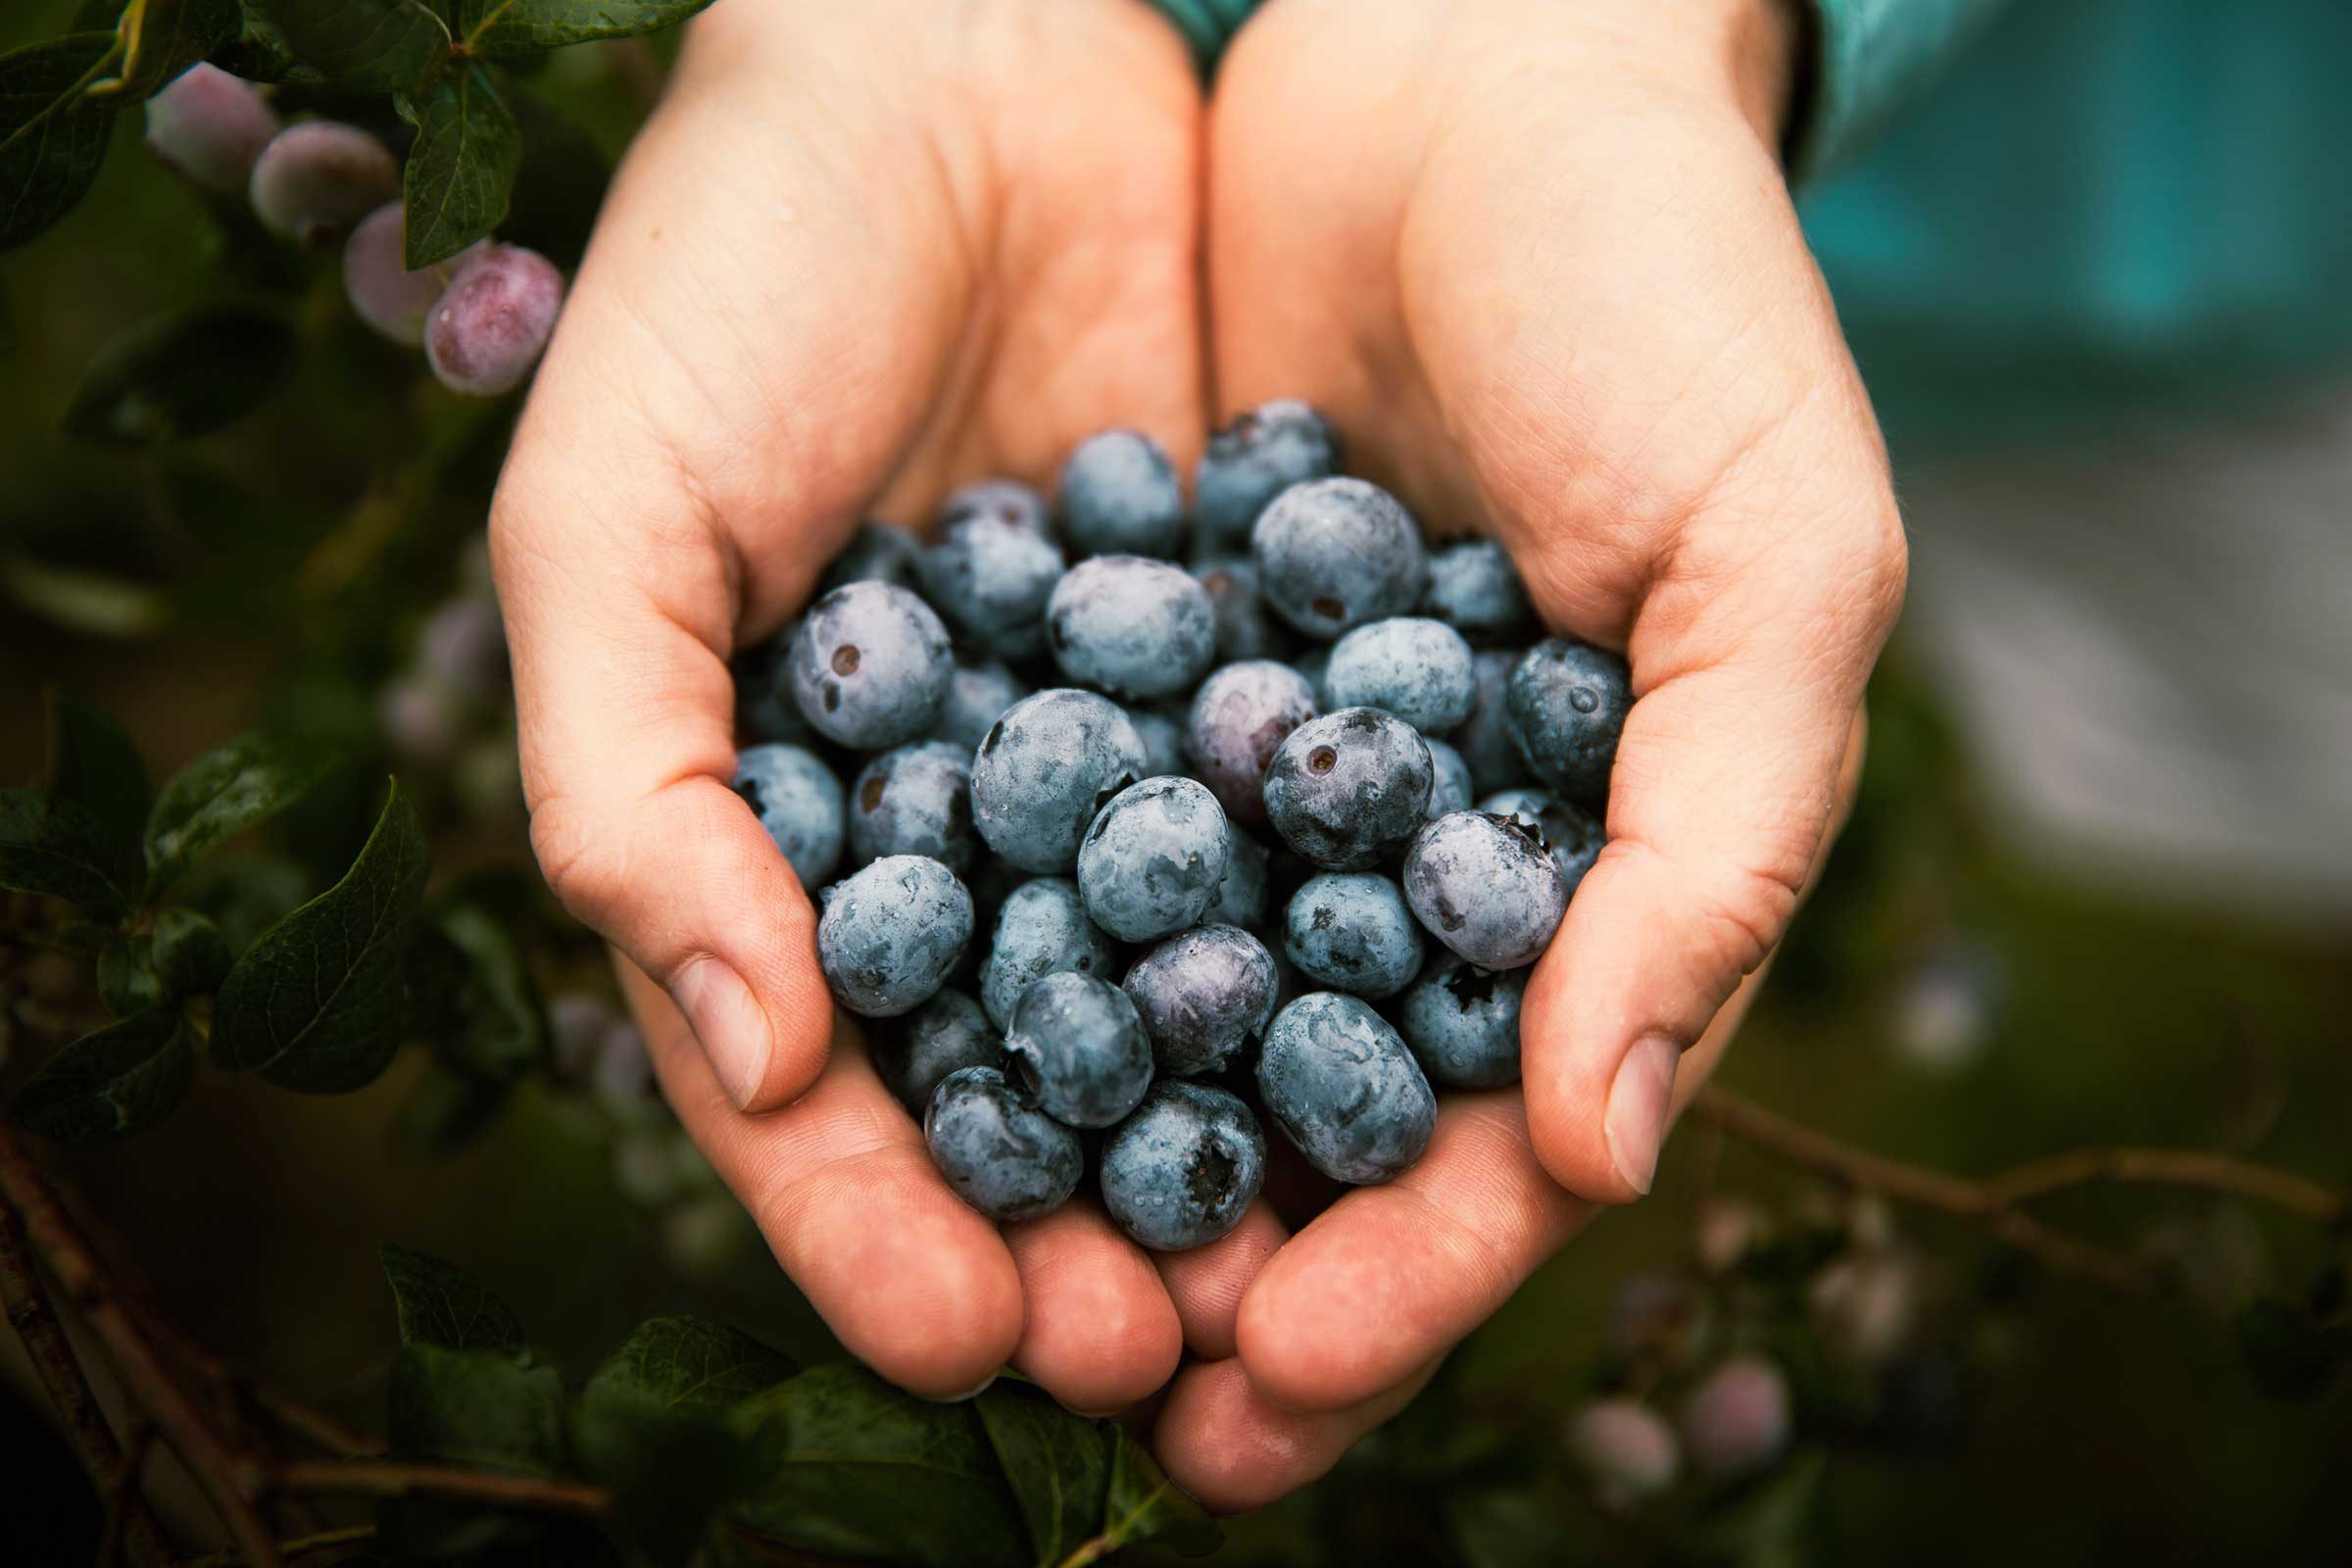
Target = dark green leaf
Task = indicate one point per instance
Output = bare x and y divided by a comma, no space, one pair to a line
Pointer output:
1056,1464
173,35
687,1363
440,1304
53,846
861,1469
184,374
97,16
122,1080
245,894
181,956
460,170
494,1027
222,794
495,28
476,1407
52,139
93,764
2289,1356
317,1002
446,1112
365,45
1769,1522
1146,1505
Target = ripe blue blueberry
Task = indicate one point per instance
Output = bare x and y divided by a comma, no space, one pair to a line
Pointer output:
1242,896
1130,626
944,1035
1416,668
1449,787
1005,501
1254,458
1119,496
991,578
1463,1024
763,706
1047,766
798,800
1474,588
1486,887
1162,735
1041,929
1574,836
1240,717
876,553
1566,704
210,127
1245,628
1485,738
1182,1171
915,799
1202,996
891,933
1350,788
1351,931
996,1149
978,693
1155,858
870,666
1341,1086
1077,1045
1333,554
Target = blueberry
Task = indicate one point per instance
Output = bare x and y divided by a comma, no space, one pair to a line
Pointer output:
1162,735
1463,1024
1486,887
1004,501
1524,801
1131,626
1246,629
991,578
1738,1419
210,127
1119,496
1485,738
1449,787
915,799
1418,669
1202,995
891,933
488,329
763,706
1341,1084
391,299
1566,704
1626,1448
1046,767
978,694
944,1035
463,645
1077,1045
1240,717
1254,458
1333,554
1350,788
314,180
1041,929
876,553
1573,835
870,666
798,800
1474,588
1155,858
1351,931
1242,896
1182,1171
998,1150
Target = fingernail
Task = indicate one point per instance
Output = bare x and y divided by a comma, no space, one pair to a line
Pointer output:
729,1022
1639,1100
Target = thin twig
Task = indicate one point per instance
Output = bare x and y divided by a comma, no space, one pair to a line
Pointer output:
389,1478
177,1419
2169,1167
123,1498
295,1546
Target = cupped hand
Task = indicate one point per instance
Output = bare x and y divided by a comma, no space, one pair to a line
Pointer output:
860,252
1540,266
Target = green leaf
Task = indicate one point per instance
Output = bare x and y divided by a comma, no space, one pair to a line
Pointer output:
1056,1464
52,138
460,171
495,1028
363,45
53,846
317,1002
97,16
686,1363
493,29
861,1469
1146,1505
187,373
476,1407
122,1080
440,1304
222,794
2289,1356
554,211
172,36
1769,1522
93,764
182,956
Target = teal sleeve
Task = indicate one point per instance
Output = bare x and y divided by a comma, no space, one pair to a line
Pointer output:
1208,25
1869,58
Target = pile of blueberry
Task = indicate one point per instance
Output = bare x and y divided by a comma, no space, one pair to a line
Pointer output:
1154,968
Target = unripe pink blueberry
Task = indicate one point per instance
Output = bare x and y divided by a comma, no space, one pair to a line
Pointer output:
383,291
1737,1421
463,644
488,330
575,1024
1866,1305
319,179
1727,1230
423,719
1626,1447
210,127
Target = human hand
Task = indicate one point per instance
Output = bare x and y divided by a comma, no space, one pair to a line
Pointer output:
1540,266
860,252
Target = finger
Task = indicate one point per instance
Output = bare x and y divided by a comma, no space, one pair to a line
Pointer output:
1102,1333
1208,1283
912,1282
1222,1441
